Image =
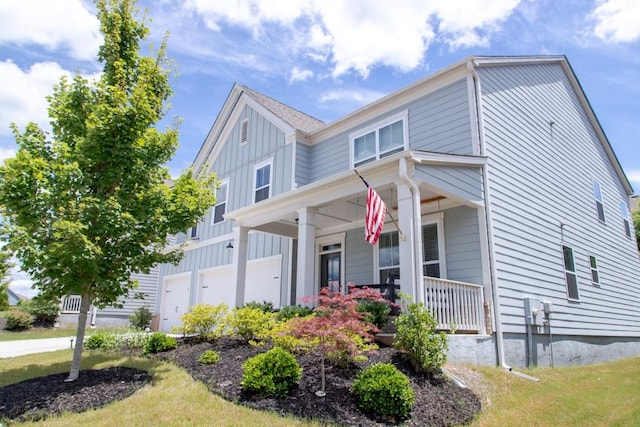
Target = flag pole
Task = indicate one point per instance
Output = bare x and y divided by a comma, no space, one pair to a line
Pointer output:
402,235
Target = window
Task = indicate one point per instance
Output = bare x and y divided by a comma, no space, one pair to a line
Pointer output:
221,202
389,256
379,140
597,194
430,251
263,182
626,221
593,263
570,276
193,232
244,131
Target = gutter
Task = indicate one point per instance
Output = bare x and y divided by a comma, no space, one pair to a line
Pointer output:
487,210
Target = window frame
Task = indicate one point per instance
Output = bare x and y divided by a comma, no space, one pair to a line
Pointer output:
599,199
436,219
567,272
593,267
626,218
380,268
269,186
224,182
192,232
402,117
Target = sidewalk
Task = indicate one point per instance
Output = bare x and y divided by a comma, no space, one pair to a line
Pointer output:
22,347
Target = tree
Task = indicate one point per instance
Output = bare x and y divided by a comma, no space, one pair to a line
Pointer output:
91,206
5,267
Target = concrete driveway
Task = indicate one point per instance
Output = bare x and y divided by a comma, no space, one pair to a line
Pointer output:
22,347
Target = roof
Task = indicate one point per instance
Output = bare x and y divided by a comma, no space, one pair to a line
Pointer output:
297,119
16,296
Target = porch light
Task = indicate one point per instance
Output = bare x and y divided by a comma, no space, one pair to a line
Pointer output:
230,244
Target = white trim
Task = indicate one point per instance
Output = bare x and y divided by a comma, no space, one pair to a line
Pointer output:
186,274
600,201
204,271
226,202
473,116
592,269
256,167
574,272
375,127
339,238
438,219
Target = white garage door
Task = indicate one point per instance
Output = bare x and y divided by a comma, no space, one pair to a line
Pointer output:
262,283
175,297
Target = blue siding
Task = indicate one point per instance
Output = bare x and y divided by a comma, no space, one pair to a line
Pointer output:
359,258
462,182
541,192
303,164
462,243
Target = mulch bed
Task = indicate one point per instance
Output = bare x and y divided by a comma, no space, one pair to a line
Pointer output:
438,401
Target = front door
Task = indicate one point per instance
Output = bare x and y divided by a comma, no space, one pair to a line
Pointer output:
331,266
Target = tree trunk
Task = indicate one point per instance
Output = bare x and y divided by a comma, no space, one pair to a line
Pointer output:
85,304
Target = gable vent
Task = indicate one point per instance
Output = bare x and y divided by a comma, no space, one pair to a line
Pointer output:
244,132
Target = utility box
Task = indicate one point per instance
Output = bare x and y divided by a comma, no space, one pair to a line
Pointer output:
534,311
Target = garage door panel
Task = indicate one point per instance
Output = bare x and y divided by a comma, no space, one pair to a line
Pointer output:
216,287
176,291
263,282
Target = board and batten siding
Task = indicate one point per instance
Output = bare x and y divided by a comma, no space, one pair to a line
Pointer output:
439,122
540,178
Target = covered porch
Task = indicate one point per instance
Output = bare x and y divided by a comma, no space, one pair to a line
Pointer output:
438,248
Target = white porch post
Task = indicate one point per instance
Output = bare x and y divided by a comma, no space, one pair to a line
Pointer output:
305,283
407,225
240,242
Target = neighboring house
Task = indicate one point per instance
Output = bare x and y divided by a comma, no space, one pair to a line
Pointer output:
144,296
15,297
512,207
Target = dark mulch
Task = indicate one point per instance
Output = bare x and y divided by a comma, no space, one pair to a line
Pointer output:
439,402
36,398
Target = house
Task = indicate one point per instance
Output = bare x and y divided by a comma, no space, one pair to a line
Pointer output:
15,297
512,212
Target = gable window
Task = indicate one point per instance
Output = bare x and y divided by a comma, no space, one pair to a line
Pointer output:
262,182
597,194
571,279
593,263
380,140
221,202
244,131
626,221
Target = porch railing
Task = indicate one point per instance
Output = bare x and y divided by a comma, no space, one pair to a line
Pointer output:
456,305
70,304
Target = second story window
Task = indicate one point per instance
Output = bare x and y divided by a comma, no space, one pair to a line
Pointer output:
193,232
597,194
626,221
379,140
221,202
262,182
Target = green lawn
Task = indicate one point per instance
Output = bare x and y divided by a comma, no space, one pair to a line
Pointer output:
595,395
35,333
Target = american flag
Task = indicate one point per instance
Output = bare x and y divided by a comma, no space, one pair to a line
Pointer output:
374,218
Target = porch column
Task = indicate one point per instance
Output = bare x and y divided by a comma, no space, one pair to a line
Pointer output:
240,243
408,224
305,283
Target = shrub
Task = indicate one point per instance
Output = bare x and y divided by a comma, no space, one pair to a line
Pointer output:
158,342
249,323
417,337
291,311
375,312
209,357
44,310
204,320
97,341
271,374
18,320
140,319
282,335
265,306
383,390
115,340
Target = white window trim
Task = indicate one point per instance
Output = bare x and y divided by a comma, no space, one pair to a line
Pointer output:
376,258
597,270
626,219
403,115
437,219
190,234
255,170
340,239
565,271
226,202
601,201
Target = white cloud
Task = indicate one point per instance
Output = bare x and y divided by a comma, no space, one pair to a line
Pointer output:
67,24
22,93
634,177
5,153
299,75
357,35
360,97
617,20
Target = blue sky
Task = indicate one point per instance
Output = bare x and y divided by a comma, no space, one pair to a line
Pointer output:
325,58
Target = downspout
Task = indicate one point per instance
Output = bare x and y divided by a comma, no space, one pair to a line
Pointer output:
416,248
487,210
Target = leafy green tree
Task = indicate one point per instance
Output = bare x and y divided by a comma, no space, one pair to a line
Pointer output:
636,224
5,267
92,205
